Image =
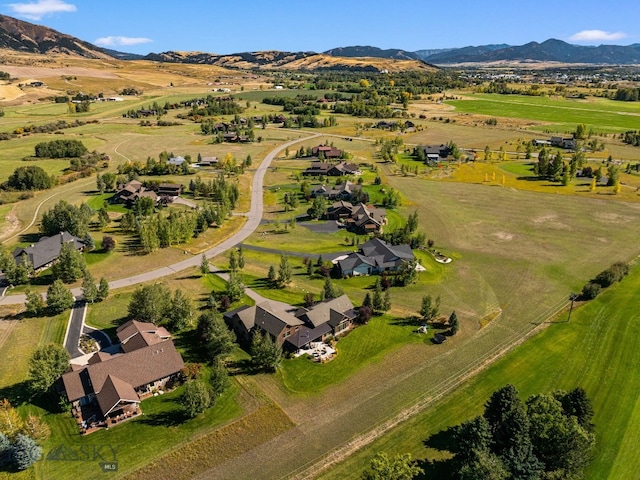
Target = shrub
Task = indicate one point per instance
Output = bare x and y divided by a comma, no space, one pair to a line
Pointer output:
590,291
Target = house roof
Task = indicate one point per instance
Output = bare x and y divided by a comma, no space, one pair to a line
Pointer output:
265,316
305,334
138,367
113,392
47,249
321,313
132,327
376,246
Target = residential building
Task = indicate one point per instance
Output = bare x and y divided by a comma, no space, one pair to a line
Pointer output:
358,218
130,192
374,257
110,386
327,169
328,152
293,328
342,191
44,253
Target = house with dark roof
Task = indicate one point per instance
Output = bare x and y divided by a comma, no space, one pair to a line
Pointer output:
359,218
169,190
130,192
290,328
44,253
342,191
328,169
109,387
374,257
327,151
434,153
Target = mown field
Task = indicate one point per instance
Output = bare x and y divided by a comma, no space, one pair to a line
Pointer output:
602,115
597,350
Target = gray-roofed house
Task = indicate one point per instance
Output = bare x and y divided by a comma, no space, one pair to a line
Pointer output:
112,385
342,191
374,257
293,330
47,250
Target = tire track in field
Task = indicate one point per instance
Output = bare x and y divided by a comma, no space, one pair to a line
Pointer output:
342,452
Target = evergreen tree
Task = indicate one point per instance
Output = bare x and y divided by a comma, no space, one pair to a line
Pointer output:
25,452
272,275
386,301
367,301
235,288
454,323
284,272
5,450
204,265
233,261
219,379
240,257
218,339
329,289
377,299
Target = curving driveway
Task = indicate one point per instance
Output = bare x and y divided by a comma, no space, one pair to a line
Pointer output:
254,215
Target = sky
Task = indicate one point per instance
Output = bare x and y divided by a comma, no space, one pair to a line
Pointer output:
224,27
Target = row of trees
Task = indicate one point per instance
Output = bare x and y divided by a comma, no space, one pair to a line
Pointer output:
548,436
604,279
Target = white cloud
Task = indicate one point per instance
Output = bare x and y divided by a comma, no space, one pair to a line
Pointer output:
121,41
597,36
37,10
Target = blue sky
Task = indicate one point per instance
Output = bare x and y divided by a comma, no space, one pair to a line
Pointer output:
143,26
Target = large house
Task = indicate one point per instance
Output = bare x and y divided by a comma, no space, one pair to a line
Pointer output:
374,257
434,153
331,170
47,250
359,218
293,329
131,191
326,151
342,191
110,386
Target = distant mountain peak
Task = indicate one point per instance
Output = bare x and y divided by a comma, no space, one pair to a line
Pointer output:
30,38
374,52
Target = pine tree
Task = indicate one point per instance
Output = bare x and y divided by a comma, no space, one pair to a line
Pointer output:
386,301
25,452
204,265
454,323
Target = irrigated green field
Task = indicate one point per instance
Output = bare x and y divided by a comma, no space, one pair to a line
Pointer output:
597,350
600,114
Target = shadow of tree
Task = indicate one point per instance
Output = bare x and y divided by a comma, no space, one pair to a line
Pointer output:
191,346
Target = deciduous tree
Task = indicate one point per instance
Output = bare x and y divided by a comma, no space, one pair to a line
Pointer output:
59,297
46,365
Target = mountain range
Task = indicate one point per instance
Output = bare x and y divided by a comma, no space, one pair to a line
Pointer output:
26,37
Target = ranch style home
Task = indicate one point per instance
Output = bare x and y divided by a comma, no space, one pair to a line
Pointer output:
42,254
108,389
342,191
374,257
360,218
292,328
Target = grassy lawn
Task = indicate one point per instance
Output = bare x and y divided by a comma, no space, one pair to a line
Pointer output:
362,346
161,429
596,351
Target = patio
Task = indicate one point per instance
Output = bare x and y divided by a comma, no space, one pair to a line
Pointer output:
320,352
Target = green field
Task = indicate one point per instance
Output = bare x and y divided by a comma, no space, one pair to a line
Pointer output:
602,115
597,350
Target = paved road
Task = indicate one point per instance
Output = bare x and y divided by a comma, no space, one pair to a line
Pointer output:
74,328
254,215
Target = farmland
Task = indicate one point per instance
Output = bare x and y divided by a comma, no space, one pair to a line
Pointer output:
519,246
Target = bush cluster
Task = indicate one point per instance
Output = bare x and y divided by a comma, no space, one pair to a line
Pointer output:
604,279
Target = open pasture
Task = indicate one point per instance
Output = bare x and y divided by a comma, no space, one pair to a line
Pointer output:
603,116
596,350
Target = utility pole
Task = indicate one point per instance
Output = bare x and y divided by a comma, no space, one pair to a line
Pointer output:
573,297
